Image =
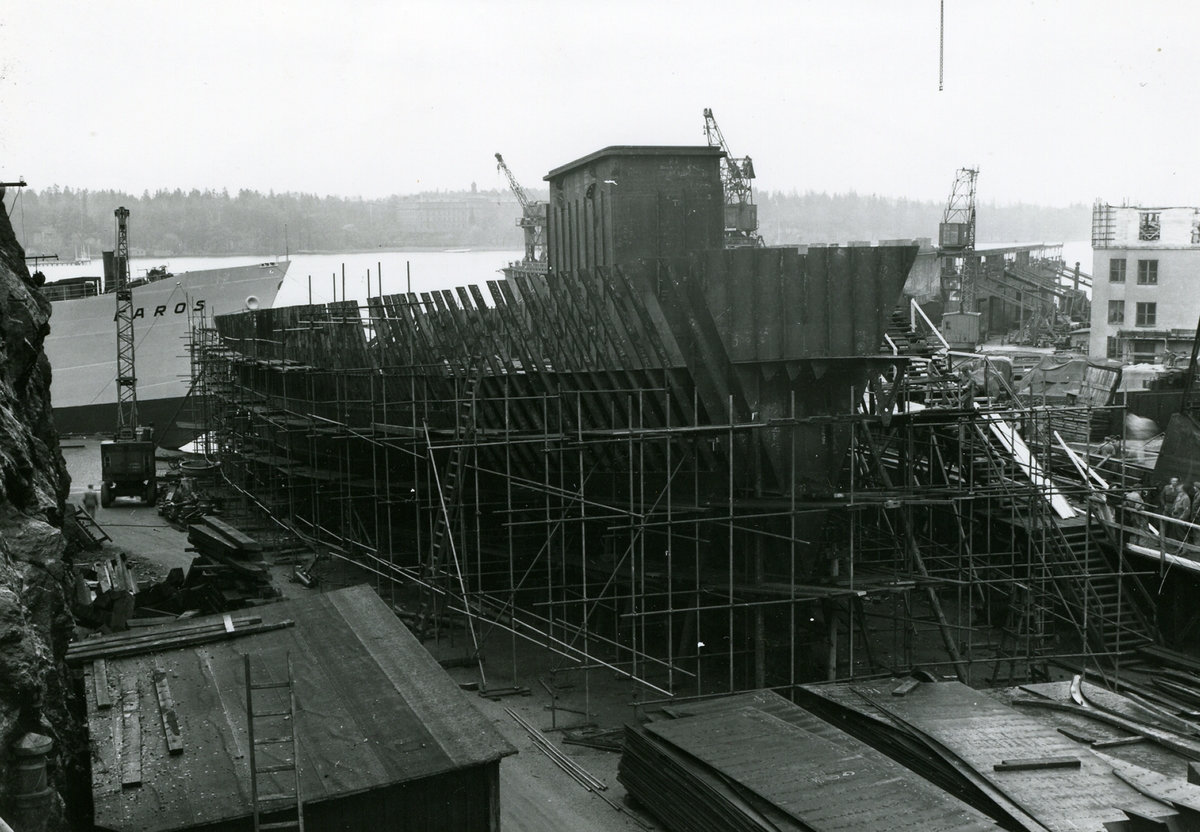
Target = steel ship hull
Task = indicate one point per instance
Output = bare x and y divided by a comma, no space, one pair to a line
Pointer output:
82,344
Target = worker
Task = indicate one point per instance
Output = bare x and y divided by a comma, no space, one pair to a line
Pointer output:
91,500
1194,535
1181,509
1166,499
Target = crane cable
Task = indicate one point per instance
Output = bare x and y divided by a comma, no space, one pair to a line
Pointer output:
941,43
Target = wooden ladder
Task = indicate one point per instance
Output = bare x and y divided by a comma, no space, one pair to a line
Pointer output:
89,525
286,802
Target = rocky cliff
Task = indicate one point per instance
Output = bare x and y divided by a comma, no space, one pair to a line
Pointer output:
35,622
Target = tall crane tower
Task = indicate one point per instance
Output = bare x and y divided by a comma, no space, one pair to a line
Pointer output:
127,467
741,214
127,421
956,234
532,220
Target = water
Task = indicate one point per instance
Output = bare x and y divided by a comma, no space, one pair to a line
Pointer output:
430,270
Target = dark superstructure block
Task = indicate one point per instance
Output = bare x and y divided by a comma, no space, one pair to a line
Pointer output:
623,204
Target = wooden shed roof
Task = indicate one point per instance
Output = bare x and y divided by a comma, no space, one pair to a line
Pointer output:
373,709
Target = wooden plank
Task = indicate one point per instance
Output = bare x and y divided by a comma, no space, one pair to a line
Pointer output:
100,679
102,576
131,733
80,650
243,540
166,709
905,686
175,642
228,621
1021,454
1037,763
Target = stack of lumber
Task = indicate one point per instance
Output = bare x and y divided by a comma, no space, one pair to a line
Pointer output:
105,594
231,560
759,763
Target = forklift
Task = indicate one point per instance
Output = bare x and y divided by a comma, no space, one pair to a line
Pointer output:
127,466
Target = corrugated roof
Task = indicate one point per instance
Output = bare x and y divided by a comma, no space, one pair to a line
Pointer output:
373,709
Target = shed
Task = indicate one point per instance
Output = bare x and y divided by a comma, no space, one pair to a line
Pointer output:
386,739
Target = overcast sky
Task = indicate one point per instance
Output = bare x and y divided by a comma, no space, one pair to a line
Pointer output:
1056,102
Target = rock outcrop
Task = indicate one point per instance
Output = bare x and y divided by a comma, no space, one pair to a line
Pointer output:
35,622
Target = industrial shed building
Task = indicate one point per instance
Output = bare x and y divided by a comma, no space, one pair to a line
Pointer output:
386,739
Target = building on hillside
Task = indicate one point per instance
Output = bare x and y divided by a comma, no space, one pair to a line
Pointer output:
1146,272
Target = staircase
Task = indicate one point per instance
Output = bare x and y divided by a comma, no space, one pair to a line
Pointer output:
1100,602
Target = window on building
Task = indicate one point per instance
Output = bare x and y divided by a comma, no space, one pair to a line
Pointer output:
1147,314
1116,270
1150,226
1147,272
1114,347
1116,311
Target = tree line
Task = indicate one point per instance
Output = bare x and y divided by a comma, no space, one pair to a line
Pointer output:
65,221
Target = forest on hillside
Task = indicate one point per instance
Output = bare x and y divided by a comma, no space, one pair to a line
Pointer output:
66,222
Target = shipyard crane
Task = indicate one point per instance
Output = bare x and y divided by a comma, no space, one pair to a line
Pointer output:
956,234
741,214
532,220
126,461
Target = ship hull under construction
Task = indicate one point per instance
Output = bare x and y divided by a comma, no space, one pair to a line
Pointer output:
82,346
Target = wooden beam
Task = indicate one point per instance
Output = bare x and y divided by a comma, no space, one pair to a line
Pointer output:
131,733
1037,764
100,680
175,642
166,709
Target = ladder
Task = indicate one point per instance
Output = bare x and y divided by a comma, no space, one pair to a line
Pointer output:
450,499
89,525
279,720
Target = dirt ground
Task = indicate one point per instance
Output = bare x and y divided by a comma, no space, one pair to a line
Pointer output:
535,795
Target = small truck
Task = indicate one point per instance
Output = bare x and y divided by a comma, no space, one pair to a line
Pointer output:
127,470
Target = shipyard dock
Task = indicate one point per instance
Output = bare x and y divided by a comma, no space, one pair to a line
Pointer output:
740,514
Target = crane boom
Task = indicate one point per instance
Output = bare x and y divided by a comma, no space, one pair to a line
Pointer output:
522,197
741,214
532,220
126,378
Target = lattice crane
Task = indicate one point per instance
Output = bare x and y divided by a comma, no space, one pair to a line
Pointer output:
126,461
532,220
127,421
956,234
741,214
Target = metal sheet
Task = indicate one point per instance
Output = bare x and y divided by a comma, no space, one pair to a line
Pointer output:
982,732
824,785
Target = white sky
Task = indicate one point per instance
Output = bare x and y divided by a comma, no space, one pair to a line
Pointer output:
1057,102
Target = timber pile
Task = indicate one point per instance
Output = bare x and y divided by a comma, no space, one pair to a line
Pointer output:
231,562
105,594
759,763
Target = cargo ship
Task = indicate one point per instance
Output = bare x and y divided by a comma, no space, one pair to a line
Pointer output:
82,344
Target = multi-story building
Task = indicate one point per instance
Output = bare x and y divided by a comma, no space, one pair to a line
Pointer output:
1146,282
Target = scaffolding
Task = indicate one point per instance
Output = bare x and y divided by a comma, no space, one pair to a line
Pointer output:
545,467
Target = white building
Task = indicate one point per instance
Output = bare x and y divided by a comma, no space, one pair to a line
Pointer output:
1146,282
